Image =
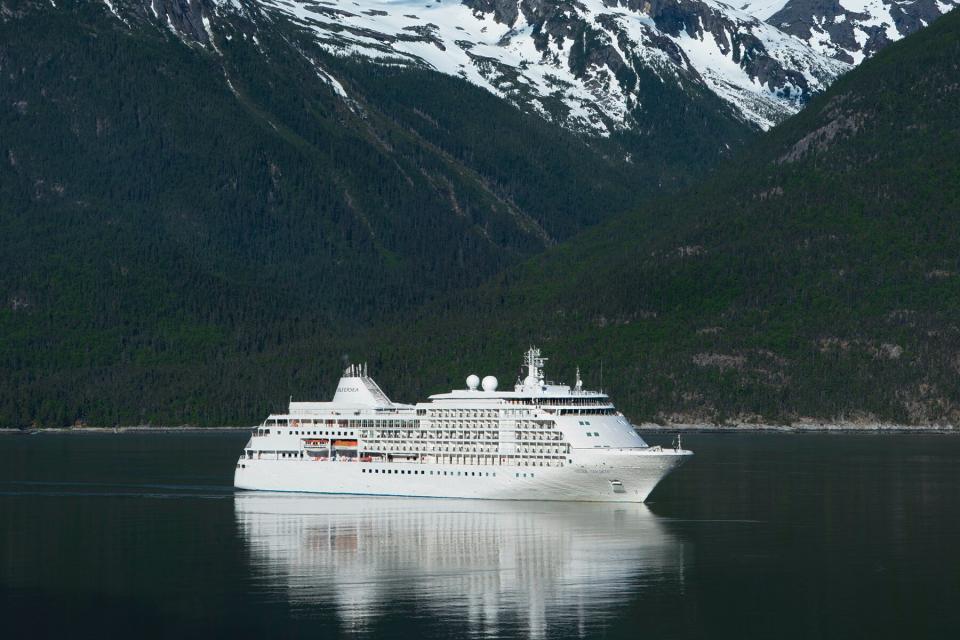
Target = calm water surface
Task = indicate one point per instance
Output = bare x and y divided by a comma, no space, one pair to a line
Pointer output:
760,536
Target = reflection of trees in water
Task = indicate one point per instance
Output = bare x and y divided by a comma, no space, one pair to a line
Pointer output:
475,561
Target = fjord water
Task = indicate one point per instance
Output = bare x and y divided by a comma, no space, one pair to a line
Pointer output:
760,535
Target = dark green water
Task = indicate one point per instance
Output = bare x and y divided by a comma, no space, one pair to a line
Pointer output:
760,536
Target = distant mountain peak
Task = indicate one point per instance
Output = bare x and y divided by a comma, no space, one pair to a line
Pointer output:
851,30
576,62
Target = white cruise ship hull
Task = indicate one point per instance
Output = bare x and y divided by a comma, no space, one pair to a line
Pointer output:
622,476
540,441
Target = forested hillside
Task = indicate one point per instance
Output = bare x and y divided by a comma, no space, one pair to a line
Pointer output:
190,233
819,277
171,198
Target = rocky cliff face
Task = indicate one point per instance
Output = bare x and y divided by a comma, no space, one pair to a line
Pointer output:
594,66
578,62
849,30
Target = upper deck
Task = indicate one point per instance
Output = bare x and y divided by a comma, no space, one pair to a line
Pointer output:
537,423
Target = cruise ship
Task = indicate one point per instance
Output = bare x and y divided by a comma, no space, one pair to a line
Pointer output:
539,441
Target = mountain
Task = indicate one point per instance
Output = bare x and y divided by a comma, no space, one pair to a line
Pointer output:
186,183
205,208
254,163
848,30
815,278
591,65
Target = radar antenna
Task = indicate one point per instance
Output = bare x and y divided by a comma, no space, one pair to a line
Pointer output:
534,362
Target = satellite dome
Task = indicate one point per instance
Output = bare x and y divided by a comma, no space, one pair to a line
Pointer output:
489,383
473,381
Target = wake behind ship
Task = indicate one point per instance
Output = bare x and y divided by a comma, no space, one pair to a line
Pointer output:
541,441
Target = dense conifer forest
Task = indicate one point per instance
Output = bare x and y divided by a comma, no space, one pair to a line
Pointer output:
818,276
177,249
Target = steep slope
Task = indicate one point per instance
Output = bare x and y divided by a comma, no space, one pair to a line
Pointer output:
381,189
592,65
848,30
819,278
199,217
168,196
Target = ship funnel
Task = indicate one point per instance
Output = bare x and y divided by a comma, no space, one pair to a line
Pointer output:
357,389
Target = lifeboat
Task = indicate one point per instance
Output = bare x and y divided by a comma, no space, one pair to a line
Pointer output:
314,443
345,443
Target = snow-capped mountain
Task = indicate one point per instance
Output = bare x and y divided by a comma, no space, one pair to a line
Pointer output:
577,61
584,64
848,30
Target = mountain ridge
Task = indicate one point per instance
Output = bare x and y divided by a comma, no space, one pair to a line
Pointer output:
815,280
178,248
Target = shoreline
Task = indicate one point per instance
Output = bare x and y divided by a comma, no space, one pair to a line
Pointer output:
122,430
647,427
802,427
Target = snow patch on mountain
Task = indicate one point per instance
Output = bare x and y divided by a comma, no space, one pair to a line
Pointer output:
761,9
851,30
584,64
575,61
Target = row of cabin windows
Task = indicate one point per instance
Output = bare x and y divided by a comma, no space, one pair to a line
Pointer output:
463,413
266,432
343,424
480,474
562,401
250,455
588,412
423,472
281,454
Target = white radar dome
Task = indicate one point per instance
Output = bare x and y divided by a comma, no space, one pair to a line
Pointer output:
473,381
490,383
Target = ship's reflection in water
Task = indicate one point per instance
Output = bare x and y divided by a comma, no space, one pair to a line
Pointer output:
490,566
